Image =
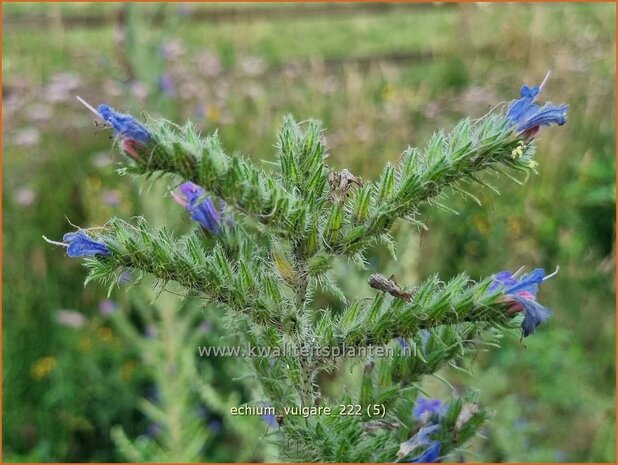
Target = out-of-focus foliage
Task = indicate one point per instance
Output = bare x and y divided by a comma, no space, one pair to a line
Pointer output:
379,81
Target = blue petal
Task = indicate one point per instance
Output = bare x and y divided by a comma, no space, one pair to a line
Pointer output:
206,214
423,405
529,92
124,125
528,283
192,192
421,438
68,237
502,279
81,245
528,116
201,207
431,455
544,116
534,314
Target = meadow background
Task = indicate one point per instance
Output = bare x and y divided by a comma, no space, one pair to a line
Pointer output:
91,378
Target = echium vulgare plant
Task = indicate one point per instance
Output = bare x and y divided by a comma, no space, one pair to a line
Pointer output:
264,242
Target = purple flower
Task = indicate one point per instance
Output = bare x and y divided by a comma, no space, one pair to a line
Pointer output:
522,294
426,408
107,307
125,126
431,454
80,244
167,85
24,196
529,117
201,208
269,416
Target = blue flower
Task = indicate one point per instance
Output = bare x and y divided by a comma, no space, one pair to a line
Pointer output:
125,126
201,208
529,117
426,408
522,293
428,411
420,439
269,416
81,244
431,454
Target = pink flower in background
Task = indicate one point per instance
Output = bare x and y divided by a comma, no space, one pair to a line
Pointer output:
70,318
24,196
107,307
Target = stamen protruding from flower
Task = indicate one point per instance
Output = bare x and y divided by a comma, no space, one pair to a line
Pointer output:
545,79
80,244
87,105
49,241
553,274
517,273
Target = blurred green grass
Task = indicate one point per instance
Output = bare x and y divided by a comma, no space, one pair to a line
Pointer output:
363,76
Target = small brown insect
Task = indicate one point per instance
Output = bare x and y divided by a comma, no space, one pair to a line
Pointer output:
382,283
280,420
341,182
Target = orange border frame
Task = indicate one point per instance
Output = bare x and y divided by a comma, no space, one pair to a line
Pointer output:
307,1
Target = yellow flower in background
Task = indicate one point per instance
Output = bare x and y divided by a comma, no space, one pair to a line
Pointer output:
85,344
213,114
94,182
43,367
105,334
481,224
127,370
389,92
514,226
